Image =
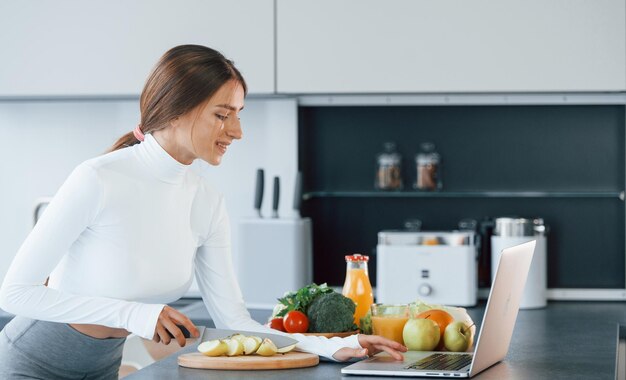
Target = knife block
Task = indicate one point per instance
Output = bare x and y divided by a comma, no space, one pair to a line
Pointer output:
275,256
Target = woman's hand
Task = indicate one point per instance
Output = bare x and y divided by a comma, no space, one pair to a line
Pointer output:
372,344
168,319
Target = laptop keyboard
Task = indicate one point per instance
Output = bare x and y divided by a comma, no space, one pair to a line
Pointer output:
442,362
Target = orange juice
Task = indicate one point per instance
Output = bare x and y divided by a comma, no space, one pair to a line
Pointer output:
389,326
357,286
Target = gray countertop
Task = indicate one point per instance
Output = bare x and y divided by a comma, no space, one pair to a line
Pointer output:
566,340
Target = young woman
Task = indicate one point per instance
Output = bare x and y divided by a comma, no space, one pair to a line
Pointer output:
126,232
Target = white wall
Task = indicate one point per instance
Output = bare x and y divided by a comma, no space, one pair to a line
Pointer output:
42,141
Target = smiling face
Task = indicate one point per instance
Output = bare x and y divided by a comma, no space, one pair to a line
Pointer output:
218,124
206,131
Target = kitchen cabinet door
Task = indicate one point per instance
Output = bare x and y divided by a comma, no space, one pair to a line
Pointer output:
406,46
108,47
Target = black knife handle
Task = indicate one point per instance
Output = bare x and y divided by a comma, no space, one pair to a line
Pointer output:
183,329
276,196
297,195
258,195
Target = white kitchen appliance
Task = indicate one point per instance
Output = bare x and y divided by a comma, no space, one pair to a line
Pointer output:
438,267
509,232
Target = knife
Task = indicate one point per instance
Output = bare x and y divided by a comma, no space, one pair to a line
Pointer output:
297,194
275,197
279,340
258,195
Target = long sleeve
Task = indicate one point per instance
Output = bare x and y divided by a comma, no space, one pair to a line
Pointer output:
73,210
222,296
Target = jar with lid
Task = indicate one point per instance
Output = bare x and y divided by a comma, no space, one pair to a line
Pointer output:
428,165
388,172
357,286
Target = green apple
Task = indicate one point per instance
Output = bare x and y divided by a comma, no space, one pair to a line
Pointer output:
267,348
235,347
457,337
239,337
286,349
421,334
250,345
214,347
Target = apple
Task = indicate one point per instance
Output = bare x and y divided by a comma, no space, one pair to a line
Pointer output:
250,345
286,349
457,337
421,334
239,337
267,348
214,347
235,347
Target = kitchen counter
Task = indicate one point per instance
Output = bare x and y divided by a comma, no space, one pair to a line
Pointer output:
566,340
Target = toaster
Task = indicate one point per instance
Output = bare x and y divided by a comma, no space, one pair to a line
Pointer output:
439,267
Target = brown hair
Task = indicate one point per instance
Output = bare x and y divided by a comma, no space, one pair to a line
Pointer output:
184,77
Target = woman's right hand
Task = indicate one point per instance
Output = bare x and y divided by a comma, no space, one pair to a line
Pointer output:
168,319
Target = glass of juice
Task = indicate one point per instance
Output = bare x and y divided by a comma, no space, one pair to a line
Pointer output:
388,320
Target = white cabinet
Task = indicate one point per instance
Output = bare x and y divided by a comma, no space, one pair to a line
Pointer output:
108,47
408,46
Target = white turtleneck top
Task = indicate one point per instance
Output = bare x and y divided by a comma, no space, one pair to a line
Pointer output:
123,236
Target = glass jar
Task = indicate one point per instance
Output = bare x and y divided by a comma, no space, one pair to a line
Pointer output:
428,165
388,172
357,286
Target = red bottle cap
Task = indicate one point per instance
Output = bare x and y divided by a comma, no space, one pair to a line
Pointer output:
357,257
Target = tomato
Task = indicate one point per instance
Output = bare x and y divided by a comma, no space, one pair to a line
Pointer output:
277,324
296,322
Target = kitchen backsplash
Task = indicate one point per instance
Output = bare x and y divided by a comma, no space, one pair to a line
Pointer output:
42,141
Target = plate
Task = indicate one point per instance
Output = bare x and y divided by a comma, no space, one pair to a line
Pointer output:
332,335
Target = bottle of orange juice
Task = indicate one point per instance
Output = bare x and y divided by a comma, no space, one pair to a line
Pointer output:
357,286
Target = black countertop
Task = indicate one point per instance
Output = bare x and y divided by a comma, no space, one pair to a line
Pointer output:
566,340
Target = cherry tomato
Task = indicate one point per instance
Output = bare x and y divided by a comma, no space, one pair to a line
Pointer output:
277,324
296,322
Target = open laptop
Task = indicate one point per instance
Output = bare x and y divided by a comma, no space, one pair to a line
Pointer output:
493,340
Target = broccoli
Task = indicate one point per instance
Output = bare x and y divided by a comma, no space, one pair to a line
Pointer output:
331,312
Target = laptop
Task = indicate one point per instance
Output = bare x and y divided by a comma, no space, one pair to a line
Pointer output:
493,340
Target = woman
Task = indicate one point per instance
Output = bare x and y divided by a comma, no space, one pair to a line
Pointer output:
126,231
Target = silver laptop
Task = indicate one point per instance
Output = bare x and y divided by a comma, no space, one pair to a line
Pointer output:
493,340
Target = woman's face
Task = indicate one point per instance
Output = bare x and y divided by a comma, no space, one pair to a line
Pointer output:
215,124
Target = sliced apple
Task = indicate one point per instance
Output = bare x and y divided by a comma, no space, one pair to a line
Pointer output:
267,348
250,345
235,347
286,349
239,337
214,347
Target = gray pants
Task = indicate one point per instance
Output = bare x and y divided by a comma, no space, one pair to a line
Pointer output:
33,349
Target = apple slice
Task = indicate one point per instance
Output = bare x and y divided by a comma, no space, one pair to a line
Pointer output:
214,347
235,348
267,348
286,349
250,345
239,337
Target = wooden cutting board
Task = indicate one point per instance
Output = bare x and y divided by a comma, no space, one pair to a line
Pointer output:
251,362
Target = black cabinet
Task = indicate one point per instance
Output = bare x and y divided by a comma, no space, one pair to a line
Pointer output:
564,163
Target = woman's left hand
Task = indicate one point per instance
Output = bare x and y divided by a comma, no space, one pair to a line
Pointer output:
372,344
